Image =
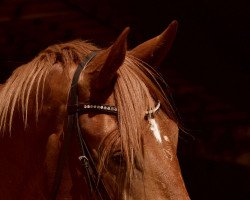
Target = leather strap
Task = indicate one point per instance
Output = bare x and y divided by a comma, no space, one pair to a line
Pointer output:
71,121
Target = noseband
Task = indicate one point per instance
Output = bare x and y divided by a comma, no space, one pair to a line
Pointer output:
75,109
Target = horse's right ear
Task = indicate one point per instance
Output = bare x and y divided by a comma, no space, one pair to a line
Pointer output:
154,50
108,61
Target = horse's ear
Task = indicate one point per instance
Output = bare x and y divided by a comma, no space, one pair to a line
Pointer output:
111,60
154,50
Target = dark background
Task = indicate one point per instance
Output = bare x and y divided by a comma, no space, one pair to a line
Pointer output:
207,70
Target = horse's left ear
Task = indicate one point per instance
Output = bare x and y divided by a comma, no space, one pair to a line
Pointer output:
154,50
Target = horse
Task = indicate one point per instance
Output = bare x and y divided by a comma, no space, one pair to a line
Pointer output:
81,122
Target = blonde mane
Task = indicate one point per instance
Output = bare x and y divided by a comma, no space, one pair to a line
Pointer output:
17,93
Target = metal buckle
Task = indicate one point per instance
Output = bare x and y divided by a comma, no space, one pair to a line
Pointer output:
84,160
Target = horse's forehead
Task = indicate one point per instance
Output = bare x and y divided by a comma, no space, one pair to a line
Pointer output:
98,123
97,127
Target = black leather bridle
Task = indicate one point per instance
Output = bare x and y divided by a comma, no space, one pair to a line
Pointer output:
94,182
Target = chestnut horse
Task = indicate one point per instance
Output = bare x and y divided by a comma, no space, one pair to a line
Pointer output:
127,125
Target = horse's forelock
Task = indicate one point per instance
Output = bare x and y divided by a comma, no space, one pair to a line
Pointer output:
135,86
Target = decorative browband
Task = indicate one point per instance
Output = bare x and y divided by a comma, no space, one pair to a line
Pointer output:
85,108
103,108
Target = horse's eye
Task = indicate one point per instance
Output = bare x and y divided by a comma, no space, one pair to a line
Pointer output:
118,159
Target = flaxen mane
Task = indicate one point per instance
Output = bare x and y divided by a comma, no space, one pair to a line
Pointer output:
136,83
15,95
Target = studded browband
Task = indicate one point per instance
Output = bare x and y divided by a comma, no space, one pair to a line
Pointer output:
107,109
86,108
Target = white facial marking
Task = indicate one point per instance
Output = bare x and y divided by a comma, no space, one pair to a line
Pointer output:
155,130
166,138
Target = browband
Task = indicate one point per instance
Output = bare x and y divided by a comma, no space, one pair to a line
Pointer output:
86,108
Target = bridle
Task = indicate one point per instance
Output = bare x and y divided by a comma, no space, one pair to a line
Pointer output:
75,109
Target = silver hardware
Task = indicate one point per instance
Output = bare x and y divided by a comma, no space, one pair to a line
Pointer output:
150,113
84,160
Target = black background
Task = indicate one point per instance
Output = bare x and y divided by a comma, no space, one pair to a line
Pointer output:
207,71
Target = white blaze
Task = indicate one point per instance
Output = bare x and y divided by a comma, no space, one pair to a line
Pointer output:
155,130
166,138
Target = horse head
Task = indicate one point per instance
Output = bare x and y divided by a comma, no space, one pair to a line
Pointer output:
133,149
135,153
